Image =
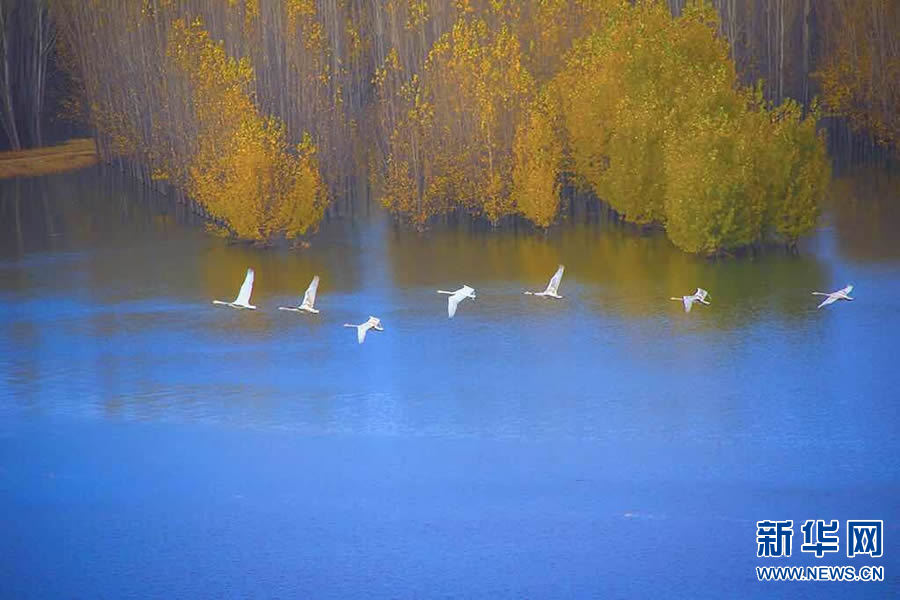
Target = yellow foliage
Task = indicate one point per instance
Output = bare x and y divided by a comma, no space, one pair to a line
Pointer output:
452,149
487,117
861,71
417,13
303,13
242,170
658,127
794,169
711,201
537,152
627,88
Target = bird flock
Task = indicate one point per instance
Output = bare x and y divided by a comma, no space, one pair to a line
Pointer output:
454,298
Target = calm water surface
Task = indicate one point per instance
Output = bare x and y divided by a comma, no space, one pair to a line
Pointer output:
606,445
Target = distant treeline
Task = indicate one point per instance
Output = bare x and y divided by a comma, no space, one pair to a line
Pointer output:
268,114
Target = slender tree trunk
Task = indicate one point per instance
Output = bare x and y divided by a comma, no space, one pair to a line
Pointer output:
8,111
45,38
806,9
780,50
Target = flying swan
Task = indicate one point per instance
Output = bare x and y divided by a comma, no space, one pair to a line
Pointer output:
243,297
552,287
362,329
457,297
699,296
309,299
842,294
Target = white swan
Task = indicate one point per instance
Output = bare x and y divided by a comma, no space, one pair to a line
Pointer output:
842,294
552,287
309,299
457,297
699,296
243,297
362,329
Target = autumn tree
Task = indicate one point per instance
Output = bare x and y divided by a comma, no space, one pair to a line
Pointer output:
452,148
242,170
860,74
185,112
537,164
257,112
658,127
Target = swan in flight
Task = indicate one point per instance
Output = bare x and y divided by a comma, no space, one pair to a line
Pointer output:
243,297
842,294
361,330
552,287
309,299
457,297
699,296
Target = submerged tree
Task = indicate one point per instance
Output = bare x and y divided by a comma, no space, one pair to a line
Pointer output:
453,147
259,111
241,169
659,128
186,112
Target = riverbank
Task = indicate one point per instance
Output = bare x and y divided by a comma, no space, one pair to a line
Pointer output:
69,156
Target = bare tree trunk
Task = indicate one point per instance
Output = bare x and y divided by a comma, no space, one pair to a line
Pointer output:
43,42
8,113
780,50
806,9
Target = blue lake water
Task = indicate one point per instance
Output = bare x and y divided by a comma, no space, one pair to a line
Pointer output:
604,445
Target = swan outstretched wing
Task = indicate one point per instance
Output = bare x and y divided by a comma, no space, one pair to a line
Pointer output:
701,294
453,301
309,298
831,299
243,296
688,303
553,286
846,291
